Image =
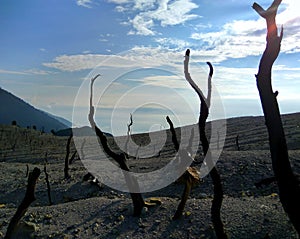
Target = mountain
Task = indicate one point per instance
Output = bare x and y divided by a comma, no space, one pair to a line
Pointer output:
61,119
83,131
13,108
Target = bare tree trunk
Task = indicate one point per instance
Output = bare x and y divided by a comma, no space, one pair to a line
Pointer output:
185,195
27,170
137,199
66,169
237,143
204,111
187,178
128,134
28,199
48,184
289,190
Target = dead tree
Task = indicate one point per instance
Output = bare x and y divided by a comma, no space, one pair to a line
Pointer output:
28,199
27,170
82,156
48,184
137,199
289,190
191,175
66,169
216,179
237,143
128,134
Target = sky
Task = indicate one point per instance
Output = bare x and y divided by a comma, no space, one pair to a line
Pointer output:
51,49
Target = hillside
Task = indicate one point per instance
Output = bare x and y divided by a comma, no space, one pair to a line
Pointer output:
13,108
82,209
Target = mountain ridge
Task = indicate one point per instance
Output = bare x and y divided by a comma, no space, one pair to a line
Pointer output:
13,108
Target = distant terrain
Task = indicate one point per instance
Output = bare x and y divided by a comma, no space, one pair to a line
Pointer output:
12,108
82,209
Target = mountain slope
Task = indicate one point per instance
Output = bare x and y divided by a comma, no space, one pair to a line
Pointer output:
13,108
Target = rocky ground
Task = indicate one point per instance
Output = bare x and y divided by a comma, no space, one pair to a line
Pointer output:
82,209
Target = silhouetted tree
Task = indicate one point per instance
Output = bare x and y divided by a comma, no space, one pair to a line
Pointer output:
66,169
204,110
14,123
48,184
289,190
237,142
137,199
191,175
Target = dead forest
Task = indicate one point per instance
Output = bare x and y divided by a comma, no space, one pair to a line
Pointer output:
252,191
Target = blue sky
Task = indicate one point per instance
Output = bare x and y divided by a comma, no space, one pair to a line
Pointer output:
49,50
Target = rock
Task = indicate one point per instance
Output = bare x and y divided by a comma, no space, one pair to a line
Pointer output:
121,218
202,195
188,213
77,230
25,230
141,224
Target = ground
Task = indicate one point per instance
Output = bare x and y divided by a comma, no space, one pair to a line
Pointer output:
82,209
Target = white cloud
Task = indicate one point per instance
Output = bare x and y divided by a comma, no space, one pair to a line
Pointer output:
26,72
138,56
242,38
12,72
119,1
120,9
144,5
177,44
150,13
37,72
84,3
142,23
237,39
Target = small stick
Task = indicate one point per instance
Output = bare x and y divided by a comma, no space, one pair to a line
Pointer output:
27,170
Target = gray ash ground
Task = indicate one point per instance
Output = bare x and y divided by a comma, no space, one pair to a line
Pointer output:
84,210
